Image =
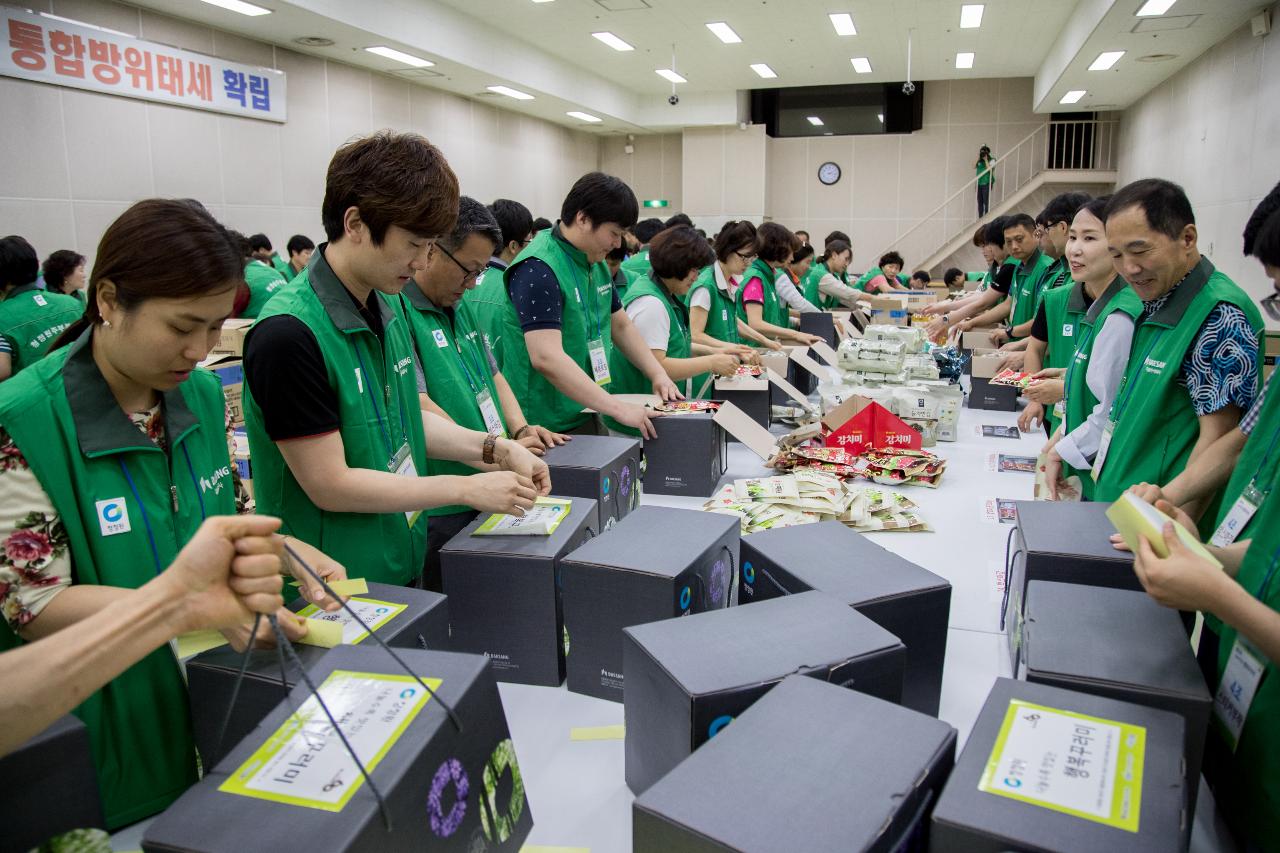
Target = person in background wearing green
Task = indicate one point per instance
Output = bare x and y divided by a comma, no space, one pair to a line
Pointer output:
460,378
260,249
787,283
985,169
63,272
263,281
1196,357
613,262
30,319
817,270
757,299
637,266
713,317
968,309
1029,280
832,282
954,278
565,317
803,237
885,277
300,248
488,299
656,307
338,438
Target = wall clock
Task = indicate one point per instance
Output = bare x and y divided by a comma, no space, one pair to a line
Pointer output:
828,173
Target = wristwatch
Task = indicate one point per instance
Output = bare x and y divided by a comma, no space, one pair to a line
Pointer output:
946,318
490,444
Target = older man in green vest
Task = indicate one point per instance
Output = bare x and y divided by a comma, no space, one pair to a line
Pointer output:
1196,357
460,378
565,317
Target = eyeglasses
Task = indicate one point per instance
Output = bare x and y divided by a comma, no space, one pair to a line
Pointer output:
468,275
748,257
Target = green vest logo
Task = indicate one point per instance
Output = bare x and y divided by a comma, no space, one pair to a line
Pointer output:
402,365
1154,367
213,483
113,516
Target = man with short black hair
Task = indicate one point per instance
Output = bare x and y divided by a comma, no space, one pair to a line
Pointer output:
565,316
986,305
31,319
638,266
678,219
260,250
300,248
804,237
489,295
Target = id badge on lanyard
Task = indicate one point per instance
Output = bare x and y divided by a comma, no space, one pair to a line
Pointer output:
1060,410
1239,684
1236,520
599,361
489,411
402,466
1103,446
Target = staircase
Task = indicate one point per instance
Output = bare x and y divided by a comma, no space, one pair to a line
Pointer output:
1056,157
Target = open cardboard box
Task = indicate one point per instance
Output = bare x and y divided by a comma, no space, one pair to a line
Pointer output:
986,362
977,338
759,440
753,396
231,341
822,373
849,324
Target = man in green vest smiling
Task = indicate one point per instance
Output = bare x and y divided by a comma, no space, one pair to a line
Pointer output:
1020,238
331,397
488,299
30,319
461,381
565,316
1196,357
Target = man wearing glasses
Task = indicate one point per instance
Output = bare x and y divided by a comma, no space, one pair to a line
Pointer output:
460,378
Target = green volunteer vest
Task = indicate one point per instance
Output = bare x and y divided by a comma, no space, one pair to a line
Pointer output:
487,301
127,508
586,293
1063,308
814,293
861,283
1028,281
281,266
775,312
1080,401
378,402
263,283
985,171
1258,460
1246,784
722,317
1155,424
626,378
454,361
638,266
32,319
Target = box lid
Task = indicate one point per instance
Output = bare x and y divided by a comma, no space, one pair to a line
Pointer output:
852,749
656,540
591,451
750,644
581,510
1076,529
1110,636
830,557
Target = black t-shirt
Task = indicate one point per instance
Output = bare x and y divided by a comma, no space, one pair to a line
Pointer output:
535,293
1004,278
287,377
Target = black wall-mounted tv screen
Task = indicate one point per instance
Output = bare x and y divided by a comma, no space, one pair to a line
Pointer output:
845,110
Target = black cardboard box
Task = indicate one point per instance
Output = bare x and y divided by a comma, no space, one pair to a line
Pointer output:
1061,542
968,819
997,398
809,767
504,595
444,789
48,786
822,324
689,678
603,468
688,457
1120,644
751,394
910,602
657,563
418,619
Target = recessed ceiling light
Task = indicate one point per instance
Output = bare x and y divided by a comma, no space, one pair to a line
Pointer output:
511,93
829,133
861,64
668,74
1157,57
880,117
575,113
724,32
815,121
971,16
964,60
240,6
313,41
1106,59
542,1
399,56
843,22
613,41
1073,96
1149,9
763,70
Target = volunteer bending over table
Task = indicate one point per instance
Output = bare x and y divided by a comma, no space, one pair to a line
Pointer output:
30,318
818,269
886,276
461,381
757,299
488,299
833,277
656,307
994,290
1196,356
1020,238
565,317
1100,308
789,279
115,449
713,316
338,439
228,572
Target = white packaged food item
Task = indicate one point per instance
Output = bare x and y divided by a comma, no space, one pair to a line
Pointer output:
912,339
879,356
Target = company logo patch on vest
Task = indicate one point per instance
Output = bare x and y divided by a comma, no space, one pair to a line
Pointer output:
214,482
1155,368
113,516
441,340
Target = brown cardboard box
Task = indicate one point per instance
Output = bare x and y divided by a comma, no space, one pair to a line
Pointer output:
231,341
986,363
977,338
889,310
230,372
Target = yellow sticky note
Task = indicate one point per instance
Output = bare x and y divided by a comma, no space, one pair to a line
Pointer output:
199,641
353,586
1136,519
598,733
322,633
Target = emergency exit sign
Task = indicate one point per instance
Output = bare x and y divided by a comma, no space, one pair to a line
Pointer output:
656,202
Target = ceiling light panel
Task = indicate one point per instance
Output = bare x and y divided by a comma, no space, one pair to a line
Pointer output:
861,64
843,22
613,41
511,93
971,16
1149,9
574,113
668,74
1073,97
964,60
724,32
400,56
815,121
1106,60
764,71
240,6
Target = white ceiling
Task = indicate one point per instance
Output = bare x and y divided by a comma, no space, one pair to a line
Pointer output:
547,50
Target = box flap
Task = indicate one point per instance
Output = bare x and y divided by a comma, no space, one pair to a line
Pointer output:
821,373
827,353
791,391
739,424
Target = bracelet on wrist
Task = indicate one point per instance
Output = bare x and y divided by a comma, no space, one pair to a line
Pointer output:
516,435
490,444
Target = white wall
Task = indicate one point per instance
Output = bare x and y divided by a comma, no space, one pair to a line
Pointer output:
1214,128
74,160
725,175
653,170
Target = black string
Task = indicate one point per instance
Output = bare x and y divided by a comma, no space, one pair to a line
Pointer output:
782,589
235,689
731,599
